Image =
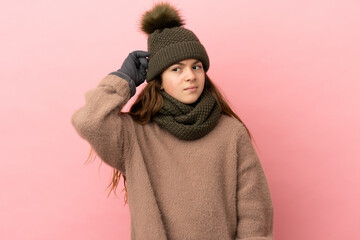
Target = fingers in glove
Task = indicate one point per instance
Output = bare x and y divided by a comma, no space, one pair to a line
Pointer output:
141,54
144,62
142,71
134,59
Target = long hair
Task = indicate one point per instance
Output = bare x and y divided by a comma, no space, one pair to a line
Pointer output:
149,102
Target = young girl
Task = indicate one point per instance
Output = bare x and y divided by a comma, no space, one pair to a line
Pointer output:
191,171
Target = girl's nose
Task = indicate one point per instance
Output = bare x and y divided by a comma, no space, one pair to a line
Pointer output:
189,75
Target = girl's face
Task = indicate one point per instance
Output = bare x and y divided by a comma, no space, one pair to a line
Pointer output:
184,80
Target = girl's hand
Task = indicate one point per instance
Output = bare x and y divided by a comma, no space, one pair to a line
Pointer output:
135,66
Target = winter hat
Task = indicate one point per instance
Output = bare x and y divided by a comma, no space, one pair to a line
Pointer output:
168,41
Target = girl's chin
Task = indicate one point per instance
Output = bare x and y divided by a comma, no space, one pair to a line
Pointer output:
189,100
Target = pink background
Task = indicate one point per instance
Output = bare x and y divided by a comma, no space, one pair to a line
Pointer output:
290,69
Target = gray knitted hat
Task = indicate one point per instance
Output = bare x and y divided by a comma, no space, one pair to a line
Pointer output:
168,41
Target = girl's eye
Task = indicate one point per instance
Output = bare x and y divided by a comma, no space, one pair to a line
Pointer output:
197,67
176,69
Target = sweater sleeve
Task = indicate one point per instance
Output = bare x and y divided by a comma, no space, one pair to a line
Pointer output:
254,205
99,123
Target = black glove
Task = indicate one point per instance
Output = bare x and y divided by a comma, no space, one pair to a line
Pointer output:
133,69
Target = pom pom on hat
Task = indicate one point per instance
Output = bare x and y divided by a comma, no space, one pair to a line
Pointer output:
161,16
168,41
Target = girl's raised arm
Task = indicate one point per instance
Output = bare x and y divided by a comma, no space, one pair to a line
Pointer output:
98,121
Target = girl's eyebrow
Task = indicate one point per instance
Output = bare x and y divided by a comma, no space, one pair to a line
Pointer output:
180,63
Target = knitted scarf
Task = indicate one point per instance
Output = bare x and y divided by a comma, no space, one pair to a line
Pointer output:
188,122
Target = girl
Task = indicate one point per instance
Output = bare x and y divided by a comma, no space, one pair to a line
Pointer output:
190,169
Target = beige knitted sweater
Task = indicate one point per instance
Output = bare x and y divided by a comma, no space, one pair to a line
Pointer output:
210,188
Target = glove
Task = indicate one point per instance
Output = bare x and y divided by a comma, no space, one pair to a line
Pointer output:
133,69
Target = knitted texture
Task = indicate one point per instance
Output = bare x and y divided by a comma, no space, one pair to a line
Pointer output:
188,122
212,188
169,42
171,45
